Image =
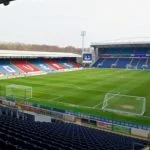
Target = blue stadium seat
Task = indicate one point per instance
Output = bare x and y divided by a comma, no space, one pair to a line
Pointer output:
122,63
7,68
19,134
41,64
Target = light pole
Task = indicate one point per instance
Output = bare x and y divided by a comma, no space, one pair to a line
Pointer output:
83,34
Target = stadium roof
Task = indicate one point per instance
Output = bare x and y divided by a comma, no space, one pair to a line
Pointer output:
34,54
128,42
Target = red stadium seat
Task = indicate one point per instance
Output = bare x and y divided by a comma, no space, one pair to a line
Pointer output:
25,66
55,64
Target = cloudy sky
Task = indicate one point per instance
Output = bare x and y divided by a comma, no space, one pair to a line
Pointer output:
60,22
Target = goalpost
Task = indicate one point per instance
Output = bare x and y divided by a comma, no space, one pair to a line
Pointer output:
18,91
124,104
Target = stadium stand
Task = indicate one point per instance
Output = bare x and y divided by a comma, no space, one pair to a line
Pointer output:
7,68
122,62
20,132
126,50
55,64
36,66
25,66
109,62
129,54
141,62
75,65
41,64
66,65
123,58
29,63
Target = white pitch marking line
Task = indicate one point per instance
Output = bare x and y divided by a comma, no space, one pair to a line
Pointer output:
47,93
56,98
78,87
97,105
67,85
146,117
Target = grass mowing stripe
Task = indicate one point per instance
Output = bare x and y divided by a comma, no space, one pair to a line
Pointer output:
84,90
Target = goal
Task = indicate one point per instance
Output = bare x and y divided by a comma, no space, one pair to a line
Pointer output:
124,104
18,91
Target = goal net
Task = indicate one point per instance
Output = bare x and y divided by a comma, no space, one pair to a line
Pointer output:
18,91
124,104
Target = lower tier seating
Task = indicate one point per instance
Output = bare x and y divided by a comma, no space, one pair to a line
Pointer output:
34,66
132,63
25,66
7,68
20,134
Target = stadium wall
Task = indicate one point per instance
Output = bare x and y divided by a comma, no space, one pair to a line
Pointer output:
104,125
140,133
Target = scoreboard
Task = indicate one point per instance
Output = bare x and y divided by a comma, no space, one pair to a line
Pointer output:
87,57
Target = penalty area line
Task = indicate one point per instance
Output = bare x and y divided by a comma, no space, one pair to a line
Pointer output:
50,100
58,97
73,105
146,117
97,105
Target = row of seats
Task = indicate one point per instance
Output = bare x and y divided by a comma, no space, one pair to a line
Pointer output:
12,67
19,134
7,68
137,51
133,63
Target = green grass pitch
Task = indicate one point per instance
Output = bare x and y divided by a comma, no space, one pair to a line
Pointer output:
84,90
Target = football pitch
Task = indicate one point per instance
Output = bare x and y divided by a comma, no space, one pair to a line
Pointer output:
85,91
